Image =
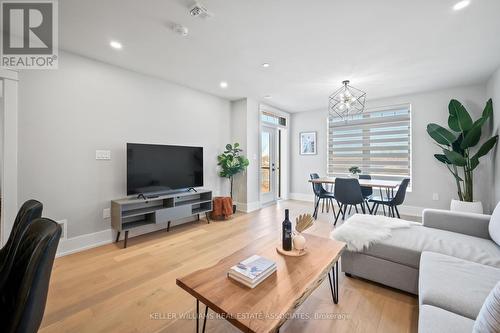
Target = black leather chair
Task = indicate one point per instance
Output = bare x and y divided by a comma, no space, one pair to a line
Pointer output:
29,211
392,203
321,194
348,193
24,294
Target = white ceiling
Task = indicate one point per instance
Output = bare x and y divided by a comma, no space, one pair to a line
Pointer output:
385,47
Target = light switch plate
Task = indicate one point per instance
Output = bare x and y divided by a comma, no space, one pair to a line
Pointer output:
435,196
106,213
103,154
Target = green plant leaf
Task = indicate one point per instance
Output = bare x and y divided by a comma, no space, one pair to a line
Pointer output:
474,162
456,145
486,147
442,158
459,119
455,158
472,137
440,134
236,145
229,147
488,110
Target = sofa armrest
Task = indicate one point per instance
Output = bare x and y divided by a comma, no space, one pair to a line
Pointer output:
464,223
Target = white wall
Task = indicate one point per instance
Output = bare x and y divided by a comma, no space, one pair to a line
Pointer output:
245,130
429,176
493,89
66,114
239,134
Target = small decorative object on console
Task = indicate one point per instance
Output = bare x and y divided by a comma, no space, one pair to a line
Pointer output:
302,223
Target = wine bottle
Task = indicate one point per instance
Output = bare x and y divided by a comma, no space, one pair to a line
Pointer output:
287,232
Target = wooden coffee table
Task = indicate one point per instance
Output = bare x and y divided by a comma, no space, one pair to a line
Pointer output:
266,307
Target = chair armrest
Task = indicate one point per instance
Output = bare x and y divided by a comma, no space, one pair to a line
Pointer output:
464,223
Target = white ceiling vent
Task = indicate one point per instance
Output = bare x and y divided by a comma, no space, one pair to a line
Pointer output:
199,10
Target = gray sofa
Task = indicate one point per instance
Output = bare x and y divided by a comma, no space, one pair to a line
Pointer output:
450,260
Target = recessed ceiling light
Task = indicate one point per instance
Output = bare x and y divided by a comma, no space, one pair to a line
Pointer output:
223,84
116,45
265,65
461,4
267,96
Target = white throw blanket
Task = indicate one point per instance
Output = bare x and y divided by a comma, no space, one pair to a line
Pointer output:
360,231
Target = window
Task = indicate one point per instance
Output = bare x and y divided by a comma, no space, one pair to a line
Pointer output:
273,119
378,141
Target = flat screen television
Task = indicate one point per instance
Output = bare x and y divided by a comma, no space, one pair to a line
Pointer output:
155,169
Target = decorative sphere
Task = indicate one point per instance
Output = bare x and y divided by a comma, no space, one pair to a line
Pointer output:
299,242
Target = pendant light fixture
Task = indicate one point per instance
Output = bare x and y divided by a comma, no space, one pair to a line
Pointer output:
346,101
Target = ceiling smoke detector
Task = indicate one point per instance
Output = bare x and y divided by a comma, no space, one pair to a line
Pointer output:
180,29
198,10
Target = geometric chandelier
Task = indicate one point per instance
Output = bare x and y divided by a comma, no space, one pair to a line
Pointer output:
347,101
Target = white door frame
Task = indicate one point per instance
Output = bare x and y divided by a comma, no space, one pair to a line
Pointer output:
271,196
9,168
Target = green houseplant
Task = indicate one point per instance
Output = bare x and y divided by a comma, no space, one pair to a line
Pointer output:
458,145
231,162
355,170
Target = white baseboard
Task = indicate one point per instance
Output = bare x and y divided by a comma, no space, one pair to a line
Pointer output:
84,242
302,197
403,209
248,207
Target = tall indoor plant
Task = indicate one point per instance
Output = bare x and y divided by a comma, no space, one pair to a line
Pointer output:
231,162
458,145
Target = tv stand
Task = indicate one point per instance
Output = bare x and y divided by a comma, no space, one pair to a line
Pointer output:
134,213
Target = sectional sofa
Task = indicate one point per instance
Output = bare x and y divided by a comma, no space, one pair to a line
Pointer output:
451,260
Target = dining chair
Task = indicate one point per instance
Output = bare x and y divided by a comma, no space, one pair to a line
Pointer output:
28,212
24,294
392,203
367,191
321,194
348,193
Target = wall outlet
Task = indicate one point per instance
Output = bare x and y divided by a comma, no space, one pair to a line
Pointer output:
64,226
103,154
435,196
106,213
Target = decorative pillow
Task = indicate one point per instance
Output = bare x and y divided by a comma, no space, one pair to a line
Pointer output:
494,226
488,319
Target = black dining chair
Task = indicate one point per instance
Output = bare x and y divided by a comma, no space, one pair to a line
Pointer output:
392,203
321,194
348,193
367,191
24,294
28,212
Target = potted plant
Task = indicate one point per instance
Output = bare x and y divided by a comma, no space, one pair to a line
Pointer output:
354,170
231,162
459,155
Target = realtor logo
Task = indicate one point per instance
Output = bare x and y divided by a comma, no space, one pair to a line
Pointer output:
29,38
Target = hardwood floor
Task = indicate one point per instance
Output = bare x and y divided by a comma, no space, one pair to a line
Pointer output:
110,289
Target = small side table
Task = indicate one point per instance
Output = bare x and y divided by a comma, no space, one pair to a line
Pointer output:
222,208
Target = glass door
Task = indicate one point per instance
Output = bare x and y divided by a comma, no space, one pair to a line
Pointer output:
268,165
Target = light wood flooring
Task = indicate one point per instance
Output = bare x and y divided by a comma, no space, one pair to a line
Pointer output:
110,289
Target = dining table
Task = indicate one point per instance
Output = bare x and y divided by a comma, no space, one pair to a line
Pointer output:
387,185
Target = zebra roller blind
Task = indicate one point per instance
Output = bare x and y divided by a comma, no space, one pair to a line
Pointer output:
378,141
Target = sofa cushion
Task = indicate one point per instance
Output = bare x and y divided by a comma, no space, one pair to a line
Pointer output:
456,285
435,320
488,319
494,226
406,245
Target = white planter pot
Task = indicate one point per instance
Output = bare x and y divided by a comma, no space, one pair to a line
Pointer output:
466,207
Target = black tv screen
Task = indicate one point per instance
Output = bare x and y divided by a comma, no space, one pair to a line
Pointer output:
161,168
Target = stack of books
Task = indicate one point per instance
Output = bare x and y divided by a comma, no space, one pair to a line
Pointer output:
252,271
